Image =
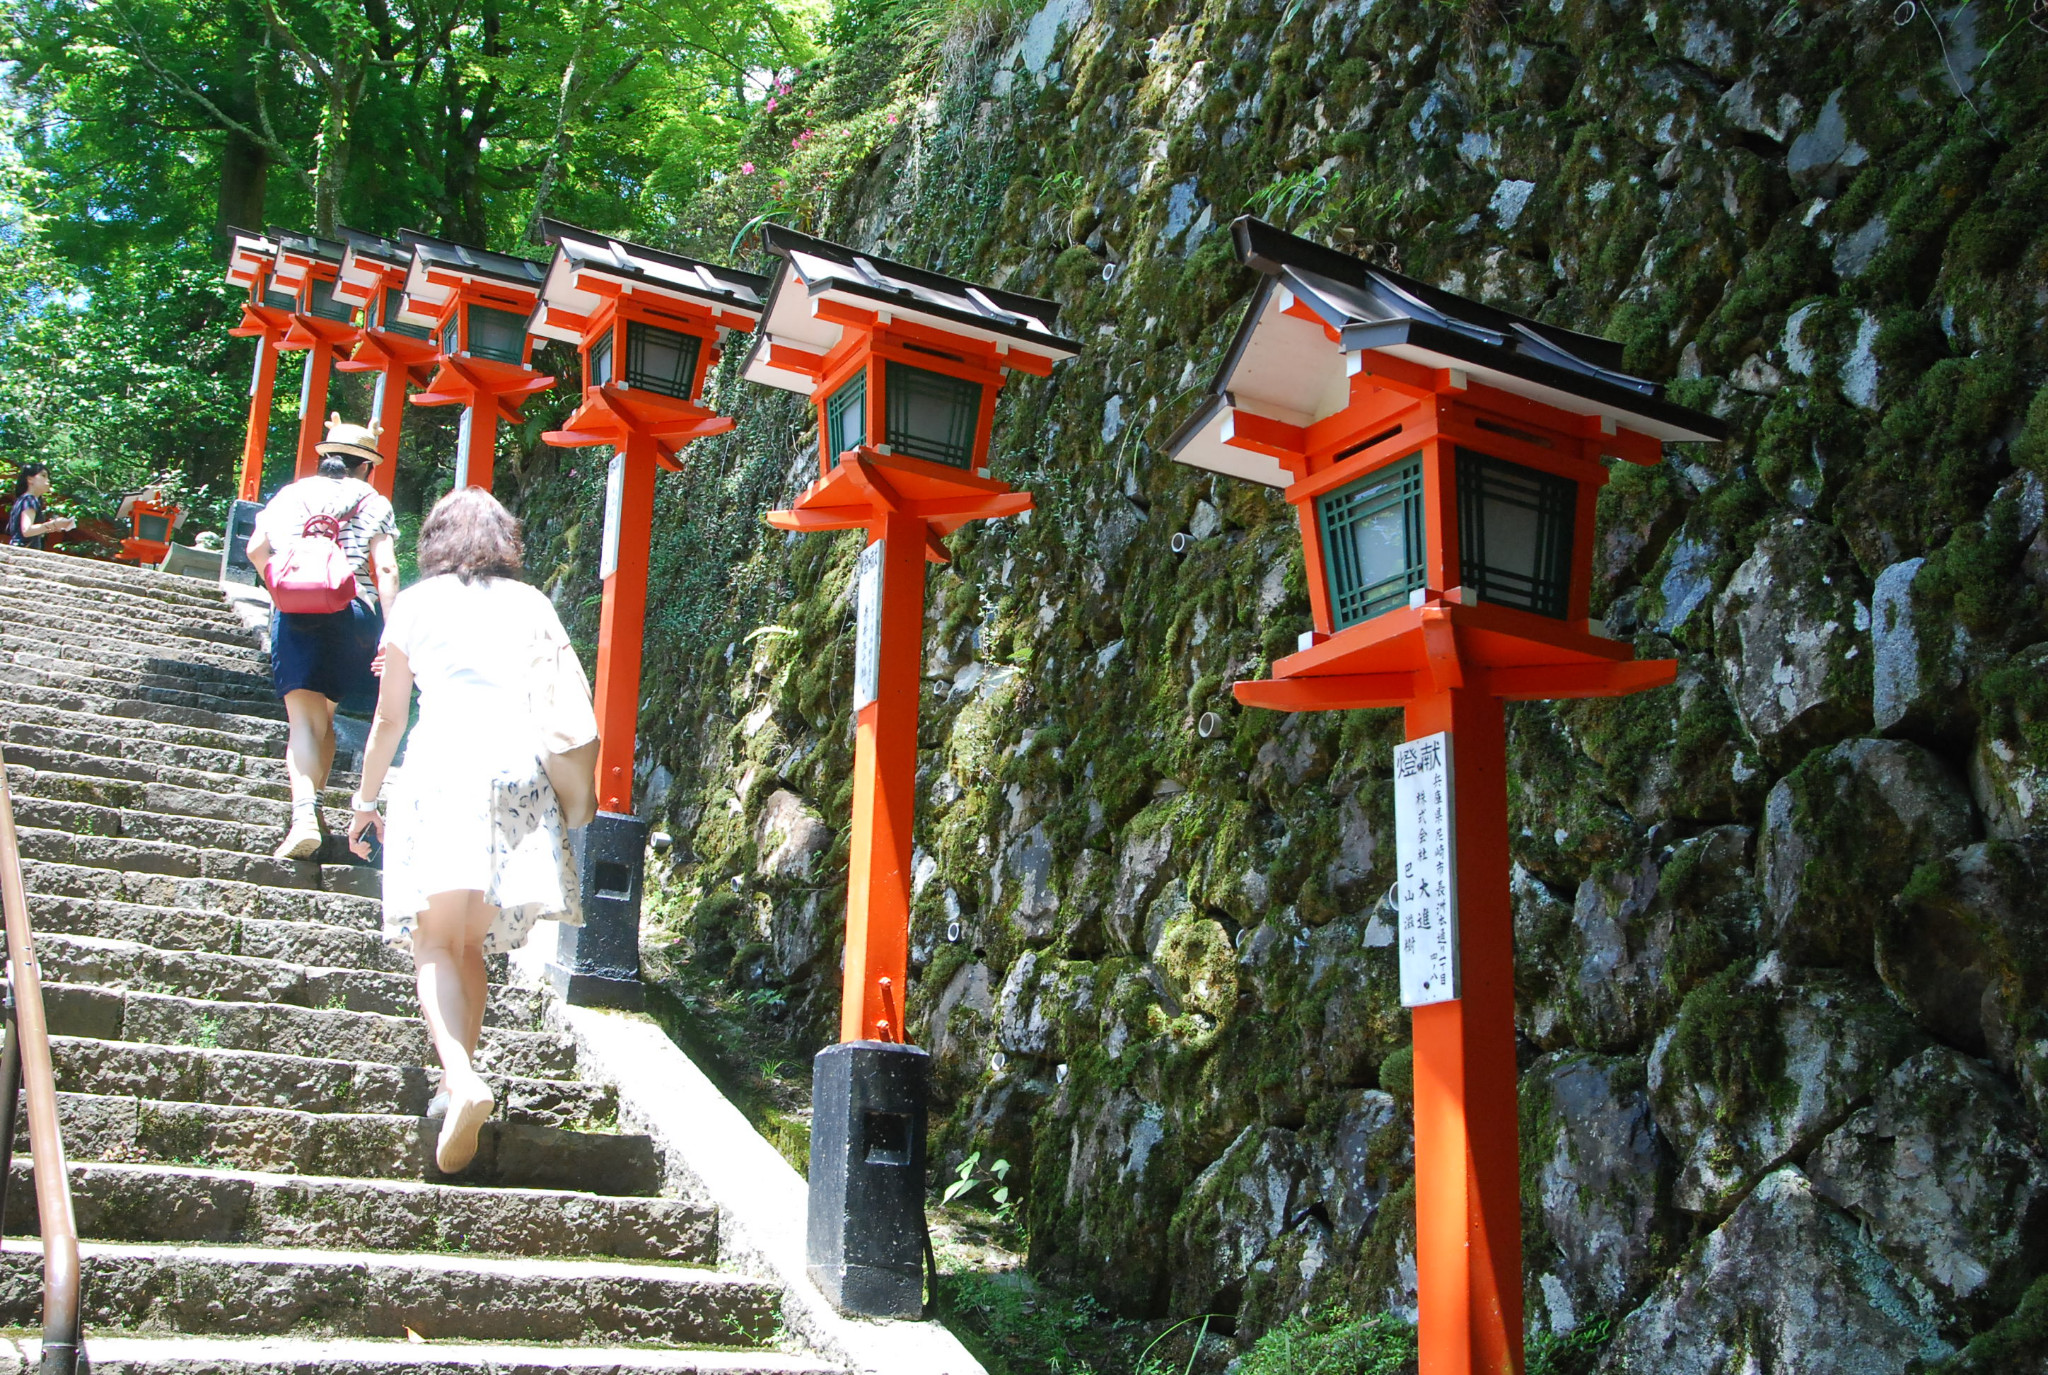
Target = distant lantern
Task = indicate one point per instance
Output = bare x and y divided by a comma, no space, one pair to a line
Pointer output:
152,520
649,326
476,304
1443,458
266,315
322,323
397,345
903,367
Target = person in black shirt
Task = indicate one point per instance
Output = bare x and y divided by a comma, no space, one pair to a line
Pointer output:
25,523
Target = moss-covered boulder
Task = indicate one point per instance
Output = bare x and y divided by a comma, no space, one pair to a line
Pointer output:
1759,1065
1943,1169
1843,834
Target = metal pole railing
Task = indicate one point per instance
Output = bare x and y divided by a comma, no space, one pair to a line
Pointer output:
27,1062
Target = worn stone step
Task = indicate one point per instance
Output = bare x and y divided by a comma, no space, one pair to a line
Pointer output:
31,681
251,1291
302,1356
256,743
163,1019
116,616
115,671
181,928
207,894
78,693
207,833
516,1155
105,963
253,1079
175,860
96,648
160,598
36,567
172,1203
156,787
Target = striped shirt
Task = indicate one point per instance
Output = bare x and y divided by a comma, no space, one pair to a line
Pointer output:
284,519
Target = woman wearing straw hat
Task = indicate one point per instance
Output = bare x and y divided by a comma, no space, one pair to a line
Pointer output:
320,659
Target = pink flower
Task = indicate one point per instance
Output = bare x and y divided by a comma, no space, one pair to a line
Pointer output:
572,473
892,119
746,169
771,105
782,88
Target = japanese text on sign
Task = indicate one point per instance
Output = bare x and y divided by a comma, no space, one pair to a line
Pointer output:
867,634
1426,848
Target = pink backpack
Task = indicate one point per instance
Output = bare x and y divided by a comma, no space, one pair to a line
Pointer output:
314,576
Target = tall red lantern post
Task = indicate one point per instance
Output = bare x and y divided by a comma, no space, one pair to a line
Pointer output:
266,315
1444,458
650,326
322,323
478,302
394,343
903,366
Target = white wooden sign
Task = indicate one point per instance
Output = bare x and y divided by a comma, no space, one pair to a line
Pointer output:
1426,848
614,496
867,635
461,448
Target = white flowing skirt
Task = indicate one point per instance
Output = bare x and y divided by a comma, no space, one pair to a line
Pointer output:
461,819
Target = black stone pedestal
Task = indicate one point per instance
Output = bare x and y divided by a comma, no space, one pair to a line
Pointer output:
865,1246
598,963
234,563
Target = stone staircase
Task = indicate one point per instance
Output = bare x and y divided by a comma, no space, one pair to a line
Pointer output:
242,1070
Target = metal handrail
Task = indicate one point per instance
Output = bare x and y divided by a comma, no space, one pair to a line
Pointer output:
25,1061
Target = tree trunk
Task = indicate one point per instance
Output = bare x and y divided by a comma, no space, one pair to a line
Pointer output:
244,177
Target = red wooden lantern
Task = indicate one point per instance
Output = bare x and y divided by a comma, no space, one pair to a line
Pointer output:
266,315
1444,458
397,345
322,323
152,521
478,302
650,327
903,366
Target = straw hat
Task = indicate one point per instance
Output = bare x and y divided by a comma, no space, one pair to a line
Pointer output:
356,443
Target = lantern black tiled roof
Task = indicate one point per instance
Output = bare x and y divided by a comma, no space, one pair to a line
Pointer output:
475,262
375,247
812,268
1274,366
585,250
307,245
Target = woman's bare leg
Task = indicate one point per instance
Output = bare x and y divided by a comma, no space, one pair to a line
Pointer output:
448,953
309,754
476,980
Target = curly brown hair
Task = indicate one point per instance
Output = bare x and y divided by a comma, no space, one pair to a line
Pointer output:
469,534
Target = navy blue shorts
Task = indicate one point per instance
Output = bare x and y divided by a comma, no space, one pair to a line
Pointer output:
328,653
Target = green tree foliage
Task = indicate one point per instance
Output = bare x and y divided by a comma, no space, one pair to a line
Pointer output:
142,130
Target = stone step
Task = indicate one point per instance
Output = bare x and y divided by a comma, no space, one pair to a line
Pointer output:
251,1291
89,850
137,687
253,1079
99,738
21,686
117,964
372,1037
260,805
300,1356
183,597
173,1203
257,743
206,894
94,648
517,1155
110,615
205,833
181,928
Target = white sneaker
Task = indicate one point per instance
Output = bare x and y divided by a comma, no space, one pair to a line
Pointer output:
302,842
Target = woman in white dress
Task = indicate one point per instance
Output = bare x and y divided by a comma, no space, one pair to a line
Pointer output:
475,847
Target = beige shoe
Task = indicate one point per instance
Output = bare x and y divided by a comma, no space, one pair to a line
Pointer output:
302,842
469,1107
